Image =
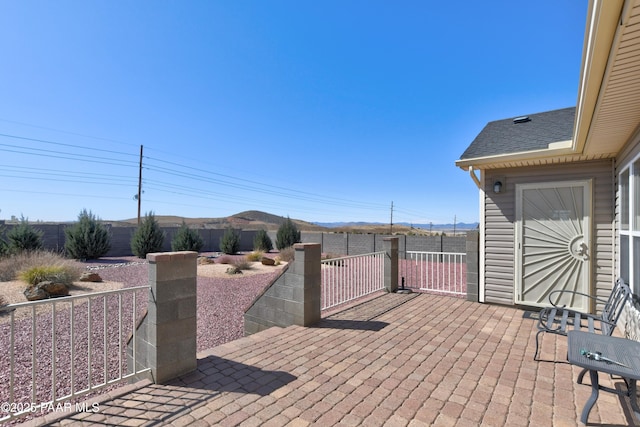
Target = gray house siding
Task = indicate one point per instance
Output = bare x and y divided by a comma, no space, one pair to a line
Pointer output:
500,211
626,156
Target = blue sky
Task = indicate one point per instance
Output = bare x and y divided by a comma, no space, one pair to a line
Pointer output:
323,111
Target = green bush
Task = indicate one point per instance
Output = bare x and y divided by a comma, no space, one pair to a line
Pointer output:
186,239
12,265
88,238
57,273
262,242
24,237
288,235
148,237
230,241
254,256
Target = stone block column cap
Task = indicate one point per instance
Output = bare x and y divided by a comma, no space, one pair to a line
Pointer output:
301,246
170,256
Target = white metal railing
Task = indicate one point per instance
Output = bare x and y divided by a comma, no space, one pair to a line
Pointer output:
348,278
77,345
442,272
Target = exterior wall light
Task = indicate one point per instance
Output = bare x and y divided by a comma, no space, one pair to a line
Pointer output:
498,185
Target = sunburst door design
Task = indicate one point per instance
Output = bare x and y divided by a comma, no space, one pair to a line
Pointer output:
552,243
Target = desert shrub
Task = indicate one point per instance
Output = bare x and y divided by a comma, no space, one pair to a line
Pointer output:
225,259
24,237
242,264
254,256
4,246
148,238
12,266
230,241
287,235
262,241
57,273
287,254
88,238
186,239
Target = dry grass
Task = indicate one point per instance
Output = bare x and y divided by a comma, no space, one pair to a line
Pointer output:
255,256
287,254
12,266
243,264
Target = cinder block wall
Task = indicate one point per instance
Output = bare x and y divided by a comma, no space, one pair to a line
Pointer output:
293,298
333,243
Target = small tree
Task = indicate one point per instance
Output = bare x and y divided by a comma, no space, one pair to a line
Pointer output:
262,241
24,237
230,241
288,234
4,246
88,238
186,239
148,238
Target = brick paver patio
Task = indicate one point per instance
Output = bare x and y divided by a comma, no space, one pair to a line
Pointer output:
397,360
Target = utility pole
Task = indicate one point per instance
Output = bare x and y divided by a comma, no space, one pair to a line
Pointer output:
140,186
454,224
391,223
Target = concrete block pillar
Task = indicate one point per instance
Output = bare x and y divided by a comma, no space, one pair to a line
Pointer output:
473,265
166,338
390,245
306,276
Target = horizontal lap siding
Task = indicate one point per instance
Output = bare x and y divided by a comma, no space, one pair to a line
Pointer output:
499,265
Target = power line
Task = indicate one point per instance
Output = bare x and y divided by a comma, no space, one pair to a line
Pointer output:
65,144
177,170
57,155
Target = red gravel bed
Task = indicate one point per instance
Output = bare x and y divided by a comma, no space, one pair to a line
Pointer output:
221,306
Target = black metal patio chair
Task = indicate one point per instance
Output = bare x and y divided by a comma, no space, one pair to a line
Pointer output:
560,320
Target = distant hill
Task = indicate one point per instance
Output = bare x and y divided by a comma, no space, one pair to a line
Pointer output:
255,220
247,220
434,227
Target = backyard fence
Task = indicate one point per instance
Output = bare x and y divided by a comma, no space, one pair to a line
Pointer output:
438,272
57,349
349,278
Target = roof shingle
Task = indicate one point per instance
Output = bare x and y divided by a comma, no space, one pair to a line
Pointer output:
505,136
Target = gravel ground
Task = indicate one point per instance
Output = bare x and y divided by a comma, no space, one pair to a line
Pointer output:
221,305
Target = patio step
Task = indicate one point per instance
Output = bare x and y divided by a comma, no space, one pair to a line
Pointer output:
241,343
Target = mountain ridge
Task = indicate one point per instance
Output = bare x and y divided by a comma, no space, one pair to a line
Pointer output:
254,219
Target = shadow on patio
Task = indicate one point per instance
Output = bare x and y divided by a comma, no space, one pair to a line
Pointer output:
397,360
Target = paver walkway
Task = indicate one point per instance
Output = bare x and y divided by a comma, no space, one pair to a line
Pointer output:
397,360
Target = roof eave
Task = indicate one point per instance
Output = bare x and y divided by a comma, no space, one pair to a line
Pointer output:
602,21
557,149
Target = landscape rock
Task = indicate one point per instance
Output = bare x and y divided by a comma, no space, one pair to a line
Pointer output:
54,289
33,293
90,276
46,289
268,261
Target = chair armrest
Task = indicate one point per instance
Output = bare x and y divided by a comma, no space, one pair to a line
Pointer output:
558,291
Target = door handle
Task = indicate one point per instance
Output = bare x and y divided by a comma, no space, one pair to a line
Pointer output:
582,250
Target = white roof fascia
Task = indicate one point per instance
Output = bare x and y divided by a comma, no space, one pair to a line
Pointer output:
561,148
603,17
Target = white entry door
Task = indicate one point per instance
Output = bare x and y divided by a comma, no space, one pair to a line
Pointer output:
553,243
